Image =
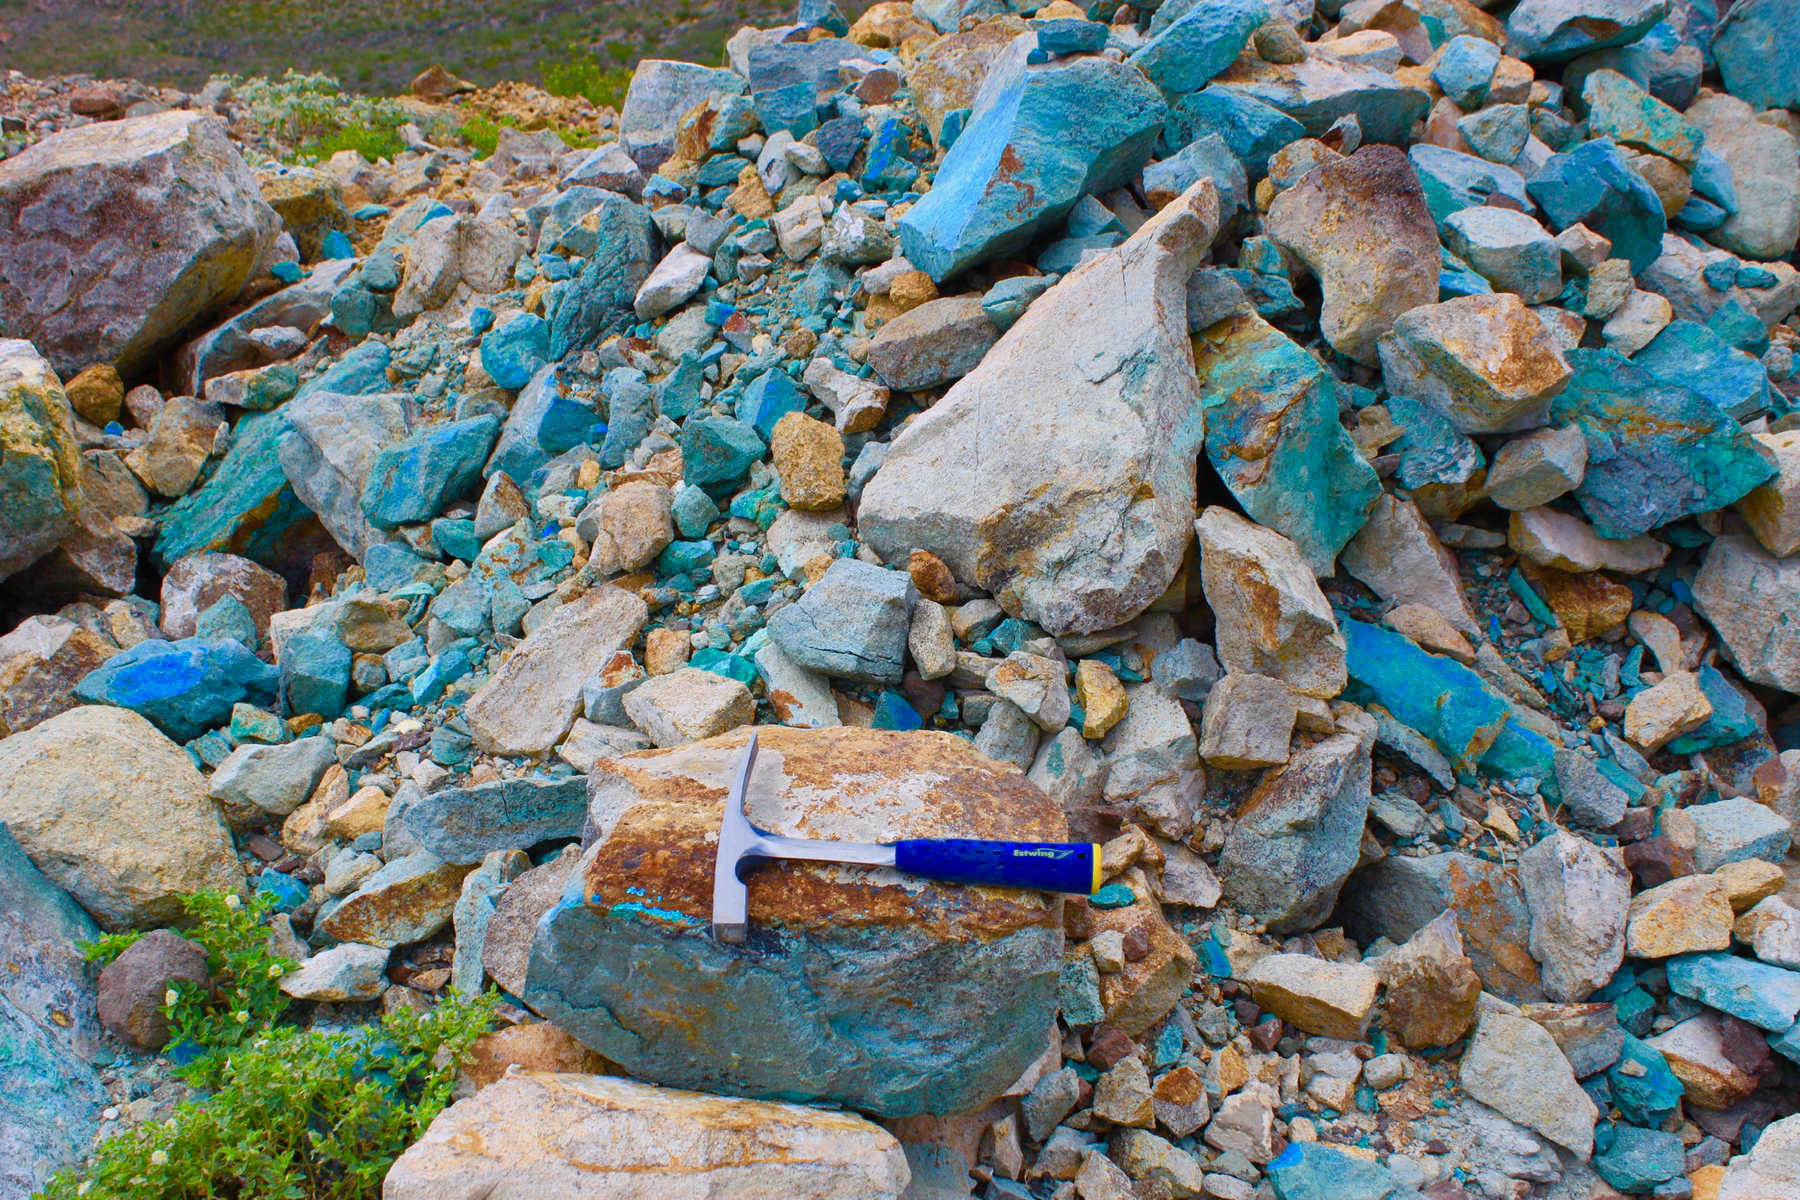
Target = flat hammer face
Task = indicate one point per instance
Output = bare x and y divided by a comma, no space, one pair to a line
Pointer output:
731,898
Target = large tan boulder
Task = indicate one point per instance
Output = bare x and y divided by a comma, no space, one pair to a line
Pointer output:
40,461
115,812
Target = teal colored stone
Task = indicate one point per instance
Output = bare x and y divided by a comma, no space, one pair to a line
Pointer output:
361,372
413,481
1594,185
545,421
1038,139
452,664
893,712
1007,300
1643,1087
1252,129
289,893
1305,480
227,617
1637,1011
1498,132
1787,1044
1186,54
315,673
1447,702
1695,357
1113,895
717,452
684,557
693,510
1621,110
1453,181
679,393
1548,31
1734,716
184,688
1656,451
1383,107
1433,450
512,353
244,507
768,398
732,666
455,536
629,412
1739,327
1639,1159
1758,51
888,167
1766,996
465,824
1465,68
597,302
1070,35
1316,1171
1458,278
252,724
389,566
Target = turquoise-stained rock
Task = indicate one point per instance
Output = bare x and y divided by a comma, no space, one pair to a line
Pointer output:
1621,110
1636,1159
1758,51
1594,185
1070,35
1447,702
1667,62
768,398
1322,90
245,506
411,482
1433,451
464,824
1734,716
717,452
183,688
1656,451
1252,129
1787,1044
1643,1087
43,973
852,987
1185,54
1465,69
1498,132
598,301
629,405
1695,357
1315,1171
546,420
693,511
288,893
851,624
315,673
1768,997
512,353
1272,433
50,1102
1453,181
731,666
361,372
1545,31
1038,139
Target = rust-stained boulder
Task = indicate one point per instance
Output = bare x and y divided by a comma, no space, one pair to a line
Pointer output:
883,992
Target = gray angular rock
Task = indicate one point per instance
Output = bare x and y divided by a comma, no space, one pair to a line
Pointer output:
466,824
328,456
1578,894
1059,474
851,624
270,780
1746,595
1514,1067
936,343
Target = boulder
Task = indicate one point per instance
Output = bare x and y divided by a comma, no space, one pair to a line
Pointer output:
597,1137
1038,138
116,813
528,704
41,661
1756,52
893,995
1361,226
1398,556
1578,894
1430,986
115,236
185,687
40,460
44,976
1550,31
334,446
1744,593
255,781
936,343
1270,615
1058,475
688,705
1513,1066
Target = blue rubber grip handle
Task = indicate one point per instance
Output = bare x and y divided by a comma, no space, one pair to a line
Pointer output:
1042,866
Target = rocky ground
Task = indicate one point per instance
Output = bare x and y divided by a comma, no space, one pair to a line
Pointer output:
1342,458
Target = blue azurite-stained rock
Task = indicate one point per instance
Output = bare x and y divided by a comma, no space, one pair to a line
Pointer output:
1315,1171
1444,700
1185,54
716,452
1594,185
1758,51
1549,31
1635,1160
598,301
413,481
1272,433
1038,139
544,421
1253,130
1766,996
854,987
512,353
1695,357
183,688
769,397
1656,451
1643,1087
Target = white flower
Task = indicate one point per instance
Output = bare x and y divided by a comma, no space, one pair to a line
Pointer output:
274,970
87,1185
240,1016
233,902
159,1158
171,996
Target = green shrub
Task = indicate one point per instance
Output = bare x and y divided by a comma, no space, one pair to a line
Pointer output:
481,133
287,1113
580,73
313,118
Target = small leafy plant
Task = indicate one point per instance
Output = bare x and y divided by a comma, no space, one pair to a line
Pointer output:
314,118
286,1113
579,73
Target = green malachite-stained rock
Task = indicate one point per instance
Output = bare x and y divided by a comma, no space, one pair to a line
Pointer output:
1621,110
40,462
1643,1087
1315,1171
1758,49
1272,433
413,481
597,301
855,987
1185,54
1038,139
1636,1160
1656,451
245,507
464,824
1447,702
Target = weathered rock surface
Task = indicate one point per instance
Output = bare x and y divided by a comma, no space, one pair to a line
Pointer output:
1272,618
1514,1067
40,471
1096,379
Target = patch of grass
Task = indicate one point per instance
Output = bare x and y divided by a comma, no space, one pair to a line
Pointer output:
580,73
314,118
481,133
298,1114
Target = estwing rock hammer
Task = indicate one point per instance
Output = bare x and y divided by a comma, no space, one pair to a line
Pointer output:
1041,866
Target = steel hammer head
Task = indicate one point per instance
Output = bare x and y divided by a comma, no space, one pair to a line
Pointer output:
738,840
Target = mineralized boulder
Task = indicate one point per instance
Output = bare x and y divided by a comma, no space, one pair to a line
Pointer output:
1059,474
40,461
115,236
859,986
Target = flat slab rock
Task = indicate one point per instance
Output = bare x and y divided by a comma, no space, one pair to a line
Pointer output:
860,986
596,1137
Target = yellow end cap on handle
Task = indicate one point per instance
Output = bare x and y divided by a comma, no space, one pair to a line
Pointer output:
1094,847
